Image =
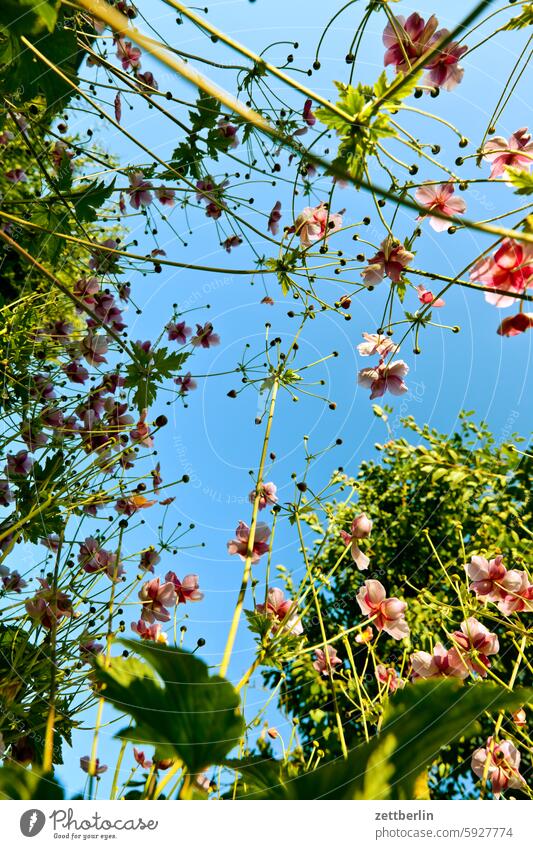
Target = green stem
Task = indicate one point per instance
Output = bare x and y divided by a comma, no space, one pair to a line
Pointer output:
255,511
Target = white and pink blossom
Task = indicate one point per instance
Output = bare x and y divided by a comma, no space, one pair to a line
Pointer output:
439,198
239,545
280,609
388,614
385,377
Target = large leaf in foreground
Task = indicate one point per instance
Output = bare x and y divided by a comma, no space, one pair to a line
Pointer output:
420,720
17,782
175,704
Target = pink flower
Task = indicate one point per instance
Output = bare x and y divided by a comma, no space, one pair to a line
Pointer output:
388,613
520,718
141,759
510,269
52,417
149,632
93,348
102,260
139,191
61,156
307,114
365,636
178,332
6,496
444,69
384,378
155,598
387,675
130,505
231,242
214,210
19,464
239,545
440,197
21,123
149,559
389,261
166,197
43,388
49,606
360,529
407,40
267,495
503,765
76,372
93,558
445,662
323,664
490,579
95,769
228,132
375,344
141,432
32,435
475,639
514,325
157,480
518,599
274,218
106,309
207,189
185,383
205,337
186,590
425,296
147,79
51,542
12,581
16,175
203,782
280,610
516,152
128,55
315,223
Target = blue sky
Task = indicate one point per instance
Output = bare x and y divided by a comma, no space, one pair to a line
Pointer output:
215,440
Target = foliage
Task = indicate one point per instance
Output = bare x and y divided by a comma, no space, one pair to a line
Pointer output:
81,228
193,717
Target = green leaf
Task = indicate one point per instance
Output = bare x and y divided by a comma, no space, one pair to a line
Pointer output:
420,721
27,17
90,198
174,702
186,159
26,76
208,110
407,83
48,244
262,778
149,370
16,782
522,181
168,364
332,120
